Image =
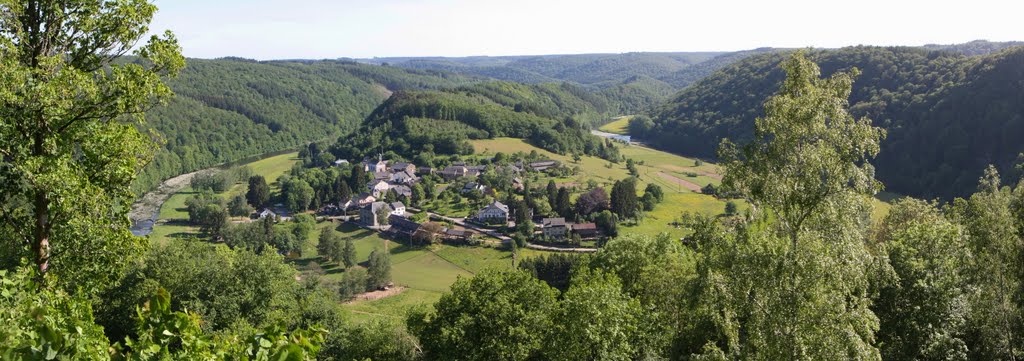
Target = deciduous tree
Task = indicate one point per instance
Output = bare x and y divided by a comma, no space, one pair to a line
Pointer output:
72,133
793,280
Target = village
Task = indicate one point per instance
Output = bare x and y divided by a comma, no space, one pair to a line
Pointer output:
383,206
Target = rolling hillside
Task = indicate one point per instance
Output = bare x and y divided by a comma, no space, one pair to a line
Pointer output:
230,109
948,115
420,124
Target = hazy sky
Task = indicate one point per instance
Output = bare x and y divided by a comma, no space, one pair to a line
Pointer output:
315,29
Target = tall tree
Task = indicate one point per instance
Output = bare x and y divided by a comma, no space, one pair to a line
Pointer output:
70,133
592,201
624,201
258,194
379,270
298,195
794,280
329,246
342,190
563,204
997,312
552,192
348,253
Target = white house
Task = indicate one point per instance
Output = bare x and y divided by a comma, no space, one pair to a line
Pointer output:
471,186
494,212
267,213
398,209
379,187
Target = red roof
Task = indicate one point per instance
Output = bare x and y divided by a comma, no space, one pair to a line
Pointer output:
584,226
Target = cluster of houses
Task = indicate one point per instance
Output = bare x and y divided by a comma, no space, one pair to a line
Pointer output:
552,228
401,176
398,224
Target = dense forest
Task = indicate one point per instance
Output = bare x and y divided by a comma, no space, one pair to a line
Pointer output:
637,81
230,109
948,115
420,124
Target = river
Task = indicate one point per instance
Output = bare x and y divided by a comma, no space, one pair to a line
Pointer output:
145,211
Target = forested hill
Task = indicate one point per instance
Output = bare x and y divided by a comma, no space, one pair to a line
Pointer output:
637,82
417,125
947,114
231,109
587,69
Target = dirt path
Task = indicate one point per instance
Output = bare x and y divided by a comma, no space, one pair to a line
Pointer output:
682,182
146,208
376,295
560,249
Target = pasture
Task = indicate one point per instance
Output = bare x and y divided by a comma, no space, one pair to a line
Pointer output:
619,125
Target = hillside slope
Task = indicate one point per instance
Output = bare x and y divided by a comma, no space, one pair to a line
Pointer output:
421,124
636,81
948,115
230,109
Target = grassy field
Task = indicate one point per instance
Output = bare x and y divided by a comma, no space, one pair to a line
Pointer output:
426,272
678,199
618,126
173,220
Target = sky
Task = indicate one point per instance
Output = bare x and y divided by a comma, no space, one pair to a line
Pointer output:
326,29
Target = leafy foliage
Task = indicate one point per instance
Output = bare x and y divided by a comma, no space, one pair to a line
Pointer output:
69,133
492,316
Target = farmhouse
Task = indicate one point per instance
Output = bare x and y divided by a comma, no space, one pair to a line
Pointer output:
555,228
453,172
379,187
543,165
403,167
471,186
403,177
401,226
475,170
586,230
364,199
494,212
398,209
457,235
368,214
267,213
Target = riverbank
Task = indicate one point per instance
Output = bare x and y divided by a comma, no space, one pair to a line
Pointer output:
146,210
